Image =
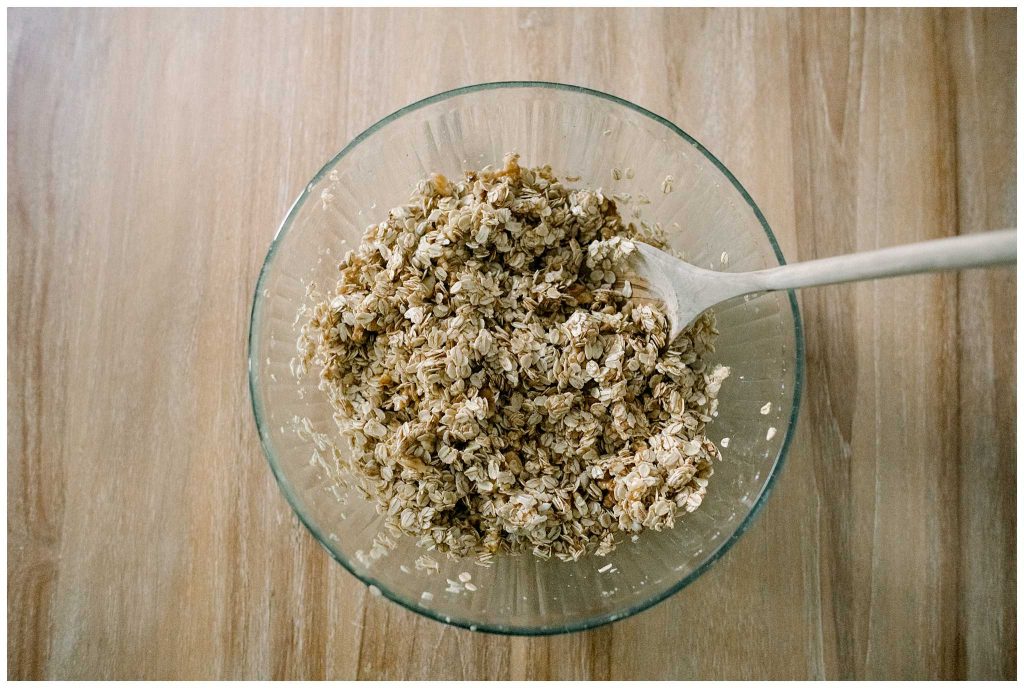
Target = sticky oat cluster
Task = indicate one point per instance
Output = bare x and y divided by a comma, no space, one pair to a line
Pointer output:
500,390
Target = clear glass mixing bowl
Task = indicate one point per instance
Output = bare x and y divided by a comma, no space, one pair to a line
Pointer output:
583,133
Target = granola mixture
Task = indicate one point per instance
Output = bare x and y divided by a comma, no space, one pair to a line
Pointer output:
500,390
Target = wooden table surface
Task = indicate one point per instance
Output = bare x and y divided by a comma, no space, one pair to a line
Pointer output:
151,156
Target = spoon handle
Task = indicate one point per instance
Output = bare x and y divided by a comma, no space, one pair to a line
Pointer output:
955,253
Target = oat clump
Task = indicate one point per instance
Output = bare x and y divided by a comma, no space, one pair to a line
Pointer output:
500,391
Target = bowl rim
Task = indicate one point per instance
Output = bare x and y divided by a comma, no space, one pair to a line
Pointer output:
368,580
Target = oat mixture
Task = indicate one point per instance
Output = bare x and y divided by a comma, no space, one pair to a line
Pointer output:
500,390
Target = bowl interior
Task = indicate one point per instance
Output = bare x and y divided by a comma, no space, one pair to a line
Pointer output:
580,133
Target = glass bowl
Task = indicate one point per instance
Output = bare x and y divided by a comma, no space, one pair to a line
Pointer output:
583,133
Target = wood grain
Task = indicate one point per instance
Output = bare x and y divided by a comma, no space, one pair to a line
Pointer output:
151,154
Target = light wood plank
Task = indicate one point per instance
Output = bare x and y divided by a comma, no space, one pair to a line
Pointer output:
983,52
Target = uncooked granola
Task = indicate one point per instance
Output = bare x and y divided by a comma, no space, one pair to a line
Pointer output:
500,390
